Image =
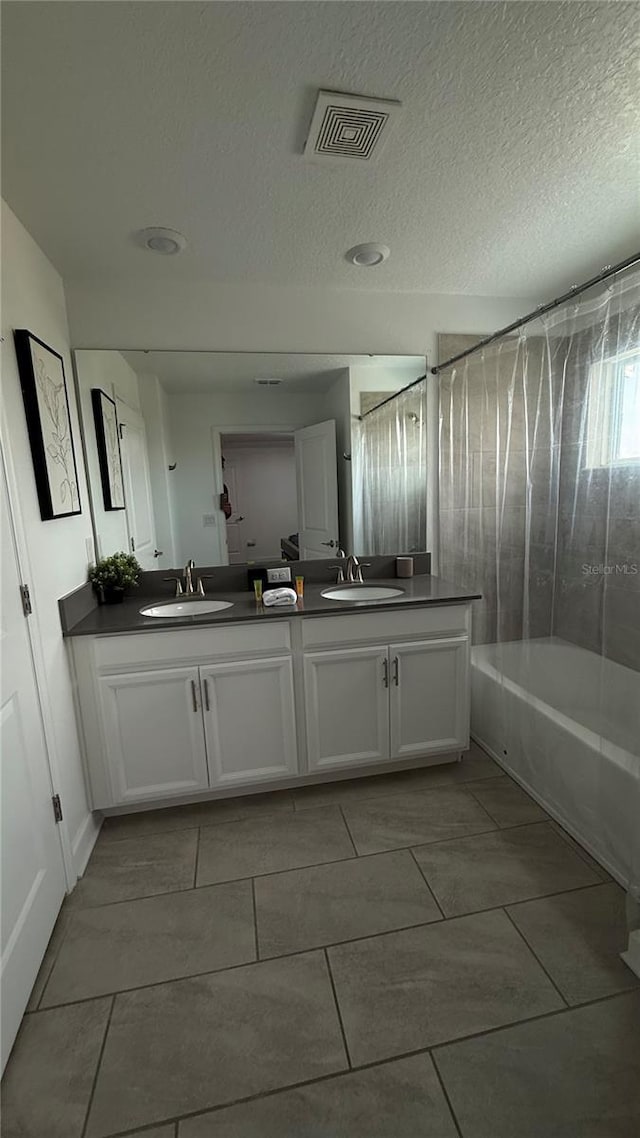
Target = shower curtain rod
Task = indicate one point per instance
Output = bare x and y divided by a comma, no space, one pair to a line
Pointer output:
610,271
394,395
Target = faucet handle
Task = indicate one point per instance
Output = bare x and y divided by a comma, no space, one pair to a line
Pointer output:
362,565
179,589
200,586
340,576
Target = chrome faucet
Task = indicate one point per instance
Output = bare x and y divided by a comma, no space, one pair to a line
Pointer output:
188,580
340,577
354,572
351,570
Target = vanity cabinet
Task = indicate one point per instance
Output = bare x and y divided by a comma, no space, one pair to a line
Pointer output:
428,690
347,707
180,714
153,733
397,701
249,720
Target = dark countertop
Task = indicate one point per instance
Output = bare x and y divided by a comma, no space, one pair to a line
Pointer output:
420,590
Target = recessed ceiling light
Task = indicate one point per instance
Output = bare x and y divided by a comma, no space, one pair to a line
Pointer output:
268,382
160,240
369,255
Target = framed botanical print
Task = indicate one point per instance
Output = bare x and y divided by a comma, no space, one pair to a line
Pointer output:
46,403
108,440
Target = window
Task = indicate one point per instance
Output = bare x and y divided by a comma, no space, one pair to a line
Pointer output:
613,411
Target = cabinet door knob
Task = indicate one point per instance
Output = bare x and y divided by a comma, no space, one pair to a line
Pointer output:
194,696
206,694
385,672
396,671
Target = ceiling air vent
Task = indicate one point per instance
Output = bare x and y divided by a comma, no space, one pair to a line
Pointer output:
347,128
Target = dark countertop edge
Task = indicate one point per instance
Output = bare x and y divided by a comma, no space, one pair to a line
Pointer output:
103,621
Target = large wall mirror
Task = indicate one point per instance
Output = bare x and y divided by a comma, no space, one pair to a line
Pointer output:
226,457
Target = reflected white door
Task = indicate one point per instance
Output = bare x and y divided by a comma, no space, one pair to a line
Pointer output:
33,879
317,484
137,486
235,548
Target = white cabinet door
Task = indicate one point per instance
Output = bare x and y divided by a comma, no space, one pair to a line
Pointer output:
154,738
429,697
250,722
347,704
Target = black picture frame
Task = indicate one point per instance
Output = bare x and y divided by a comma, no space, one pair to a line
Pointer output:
108,442
49,425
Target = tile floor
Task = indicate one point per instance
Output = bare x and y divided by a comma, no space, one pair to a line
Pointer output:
419,955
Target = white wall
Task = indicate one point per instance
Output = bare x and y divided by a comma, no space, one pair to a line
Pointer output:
33,298
206,316
197,479
110,372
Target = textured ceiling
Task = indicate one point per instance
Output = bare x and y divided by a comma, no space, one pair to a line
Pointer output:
512,170
201,372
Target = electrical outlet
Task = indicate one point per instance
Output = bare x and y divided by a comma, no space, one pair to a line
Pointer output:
91,556
279,574
208,520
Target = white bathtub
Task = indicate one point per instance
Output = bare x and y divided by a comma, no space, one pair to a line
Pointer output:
565,723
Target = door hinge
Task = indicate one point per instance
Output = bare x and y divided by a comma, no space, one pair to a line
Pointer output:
57,807
25,597
133,546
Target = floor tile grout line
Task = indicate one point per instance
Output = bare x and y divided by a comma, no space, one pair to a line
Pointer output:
53,964
583,854
494,829
396,1058
535,956
346,826
446,1095
234,967
255,917
97,1070
338,1010
424,878
195,860
250,816
324,947
511,904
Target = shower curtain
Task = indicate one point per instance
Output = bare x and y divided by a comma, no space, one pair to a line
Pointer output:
390,476
539,508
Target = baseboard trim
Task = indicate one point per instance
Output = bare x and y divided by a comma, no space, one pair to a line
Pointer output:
632,956
84,841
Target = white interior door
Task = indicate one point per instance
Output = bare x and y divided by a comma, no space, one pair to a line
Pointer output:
33,879
137,486
317,485
234,523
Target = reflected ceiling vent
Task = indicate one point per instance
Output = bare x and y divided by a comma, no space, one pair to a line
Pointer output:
268,382
347,128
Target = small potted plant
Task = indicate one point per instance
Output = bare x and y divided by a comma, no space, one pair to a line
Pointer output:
112,575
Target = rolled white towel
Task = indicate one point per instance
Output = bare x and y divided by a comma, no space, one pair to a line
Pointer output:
279,597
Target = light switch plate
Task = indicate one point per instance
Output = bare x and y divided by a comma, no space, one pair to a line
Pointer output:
281,574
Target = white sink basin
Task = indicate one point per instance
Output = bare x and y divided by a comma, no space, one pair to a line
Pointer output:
186,608
361,593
